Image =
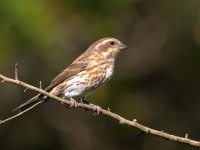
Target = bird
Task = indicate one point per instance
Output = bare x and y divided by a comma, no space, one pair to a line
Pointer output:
92,69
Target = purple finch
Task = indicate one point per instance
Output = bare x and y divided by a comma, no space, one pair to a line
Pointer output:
88,72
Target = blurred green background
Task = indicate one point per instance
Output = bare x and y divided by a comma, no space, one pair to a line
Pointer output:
156,81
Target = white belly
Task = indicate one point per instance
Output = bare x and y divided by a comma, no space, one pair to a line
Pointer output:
75,87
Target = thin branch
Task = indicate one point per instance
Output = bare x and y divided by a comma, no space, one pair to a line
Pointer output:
121,120
19,114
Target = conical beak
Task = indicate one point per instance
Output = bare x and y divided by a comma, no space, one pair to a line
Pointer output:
122,46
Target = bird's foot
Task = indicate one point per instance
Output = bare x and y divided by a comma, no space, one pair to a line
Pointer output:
97,109
73,103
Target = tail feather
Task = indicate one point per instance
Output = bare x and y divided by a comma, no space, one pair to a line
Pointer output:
32,101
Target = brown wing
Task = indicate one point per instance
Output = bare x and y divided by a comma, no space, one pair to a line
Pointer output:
73,69
80,64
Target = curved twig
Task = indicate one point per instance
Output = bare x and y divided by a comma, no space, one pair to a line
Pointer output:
121,120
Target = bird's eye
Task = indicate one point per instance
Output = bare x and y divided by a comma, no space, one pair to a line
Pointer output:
112,43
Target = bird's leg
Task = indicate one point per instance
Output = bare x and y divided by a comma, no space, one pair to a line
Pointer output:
82,99
97,110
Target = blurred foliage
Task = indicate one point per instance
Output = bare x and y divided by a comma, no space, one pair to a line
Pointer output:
156,80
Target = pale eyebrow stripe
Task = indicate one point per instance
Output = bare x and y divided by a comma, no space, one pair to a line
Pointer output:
103,42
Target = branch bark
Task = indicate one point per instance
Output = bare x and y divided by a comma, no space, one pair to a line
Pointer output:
117,117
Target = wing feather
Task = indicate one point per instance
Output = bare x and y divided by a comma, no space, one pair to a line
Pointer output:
77,66
67,73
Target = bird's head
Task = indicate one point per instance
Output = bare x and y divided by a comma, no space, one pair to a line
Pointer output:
109,47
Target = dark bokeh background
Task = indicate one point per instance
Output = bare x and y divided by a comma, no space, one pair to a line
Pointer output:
156,81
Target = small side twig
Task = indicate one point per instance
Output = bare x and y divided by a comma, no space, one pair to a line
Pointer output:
186,136
16,72
25,90
40,84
